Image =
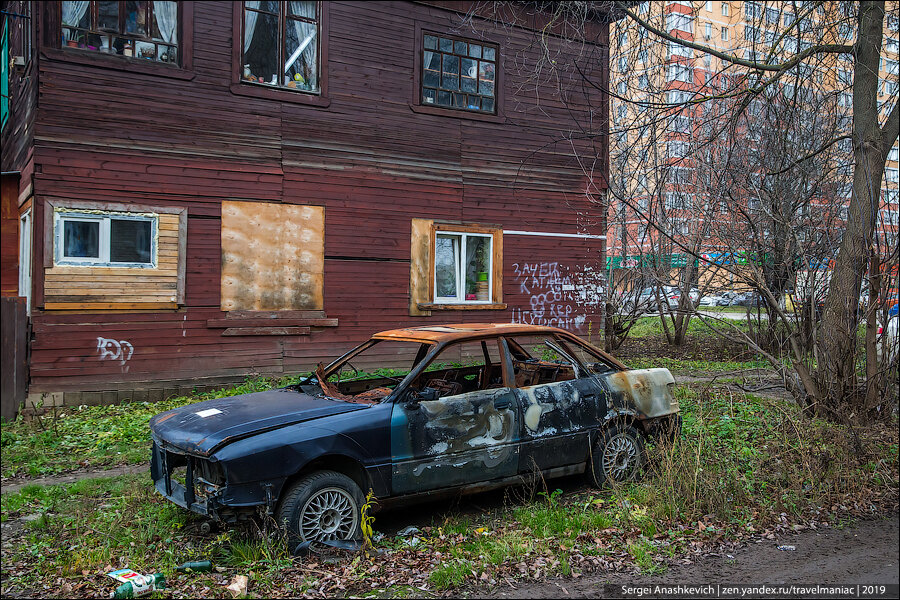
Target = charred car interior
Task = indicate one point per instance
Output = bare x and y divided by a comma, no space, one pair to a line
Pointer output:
432,410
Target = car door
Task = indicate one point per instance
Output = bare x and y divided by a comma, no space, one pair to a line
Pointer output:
558,411
467,434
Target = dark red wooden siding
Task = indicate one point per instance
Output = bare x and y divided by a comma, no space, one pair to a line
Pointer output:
368,158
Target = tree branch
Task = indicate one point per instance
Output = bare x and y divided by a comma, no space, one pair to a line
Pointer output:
750,64
827,145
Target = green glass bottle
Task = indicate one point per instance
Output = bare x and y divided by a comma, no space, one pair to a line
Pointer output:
140,586
198,566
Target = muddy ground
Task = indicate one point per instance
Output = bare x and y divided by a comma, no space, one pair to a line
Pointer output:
864,553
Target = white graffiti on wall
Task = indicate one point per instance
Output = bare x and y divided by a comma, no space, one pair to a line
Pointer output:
558,296
110,349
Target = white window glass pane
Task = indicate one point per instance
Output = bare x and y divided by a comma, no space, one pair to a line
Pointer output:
81,239
129,241
301,50
446,259
478,268
261,48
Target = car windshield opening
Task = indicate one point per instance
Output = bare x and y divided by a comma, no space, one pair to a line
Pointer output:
370,372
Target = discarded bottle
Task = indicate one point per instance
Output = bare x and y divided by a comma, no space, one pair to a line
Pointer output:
198,566
140,586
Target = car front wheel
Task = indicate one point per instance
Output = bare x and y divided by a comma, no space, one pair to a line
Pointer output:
322,506
617,456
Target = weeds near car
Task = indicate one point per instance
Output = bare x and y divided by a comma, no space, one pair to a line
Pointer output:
71,437
743,465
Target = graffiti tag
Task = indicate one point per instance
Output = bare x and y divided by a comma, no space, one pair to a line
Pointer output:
110,349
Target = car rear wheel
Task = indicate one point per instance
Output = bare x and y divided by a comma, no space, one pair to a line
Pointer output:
320,507
617,457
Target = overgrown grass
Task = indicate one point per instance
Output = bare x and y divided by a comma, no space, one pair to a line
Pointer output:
651,326
697,367
67,438
743,465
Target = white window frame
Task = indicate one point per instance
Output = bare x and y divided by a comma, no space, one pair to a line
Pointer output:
724,34
460,275
724,9
104,219
707,31
25,257
894,153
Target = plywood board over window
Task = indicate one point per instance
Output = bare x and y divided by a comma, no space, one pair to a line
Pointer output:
113,256
273,256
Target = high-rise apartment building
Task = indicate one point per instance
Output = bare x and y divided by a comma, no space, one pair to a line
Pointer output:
699,166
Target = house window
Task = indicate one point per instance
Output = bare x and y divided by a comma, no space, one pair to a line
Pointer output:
724,34
707,31
138,29
280,45
459,74
105,239
724,9
463,264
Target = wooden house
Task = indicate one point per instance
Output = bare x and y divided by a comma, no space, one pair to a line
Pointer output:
197,192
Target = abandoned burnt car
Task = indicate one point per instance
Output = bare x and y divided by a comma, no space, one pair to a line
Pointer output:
472,407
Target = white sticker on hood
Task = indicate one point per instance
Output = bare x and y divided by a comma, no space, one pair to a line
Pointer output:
208,413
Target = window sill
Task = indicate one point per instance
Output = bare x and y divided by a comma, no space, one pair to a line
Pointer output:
456,114
118,63
441,306
282,95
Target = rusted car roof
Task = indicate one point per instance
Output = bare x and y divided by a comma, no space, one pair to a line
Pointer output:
440,334
450,333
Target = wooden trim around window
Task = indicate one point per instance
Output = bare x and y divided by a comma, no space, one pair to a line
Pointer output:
415,102
49,236
51,50
258,90
496,233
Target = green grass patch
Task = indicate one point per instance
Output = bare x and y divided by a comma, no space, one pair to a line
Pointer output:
743,463
699,367
71,437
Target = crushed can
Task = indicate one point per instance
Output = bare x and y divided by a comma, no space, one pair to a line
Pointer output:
135,585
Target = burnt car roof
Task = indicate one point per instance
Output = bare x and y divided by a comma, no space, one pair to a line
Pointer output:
442,334
449,333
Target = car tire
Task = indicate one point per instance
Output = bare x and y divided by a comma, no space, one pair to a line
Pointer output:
322,506
617,457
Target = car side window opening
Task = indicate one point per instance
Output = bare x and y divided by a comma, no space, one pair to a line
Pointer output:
547,359
461,368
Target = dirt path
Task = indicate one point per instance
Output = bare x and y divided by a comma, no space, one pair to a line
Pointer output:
15,485
866,553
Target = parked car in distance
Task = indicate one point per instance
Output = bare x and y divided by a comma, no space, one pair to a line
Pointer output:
750,299
712,300
474,407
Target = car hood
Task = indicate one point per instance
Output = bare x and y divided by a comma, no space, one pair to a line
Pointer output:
204,427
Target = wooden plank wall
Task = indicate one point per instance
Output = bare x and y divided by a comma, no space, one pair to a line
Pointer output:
368,160
65,284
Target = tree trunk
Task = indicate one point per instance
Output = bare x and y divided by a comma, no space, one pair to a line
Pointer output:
838,394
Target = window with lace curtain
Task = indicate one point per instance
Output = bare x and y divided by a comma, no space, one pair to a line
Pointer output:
280,46
142,30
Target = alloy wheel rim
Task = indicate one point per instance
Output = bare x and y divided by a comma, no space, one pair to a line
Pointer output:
620,457
329,514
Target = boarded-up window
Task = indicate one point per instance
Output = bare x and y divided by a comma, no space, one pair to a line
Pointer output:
272,256
102,255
